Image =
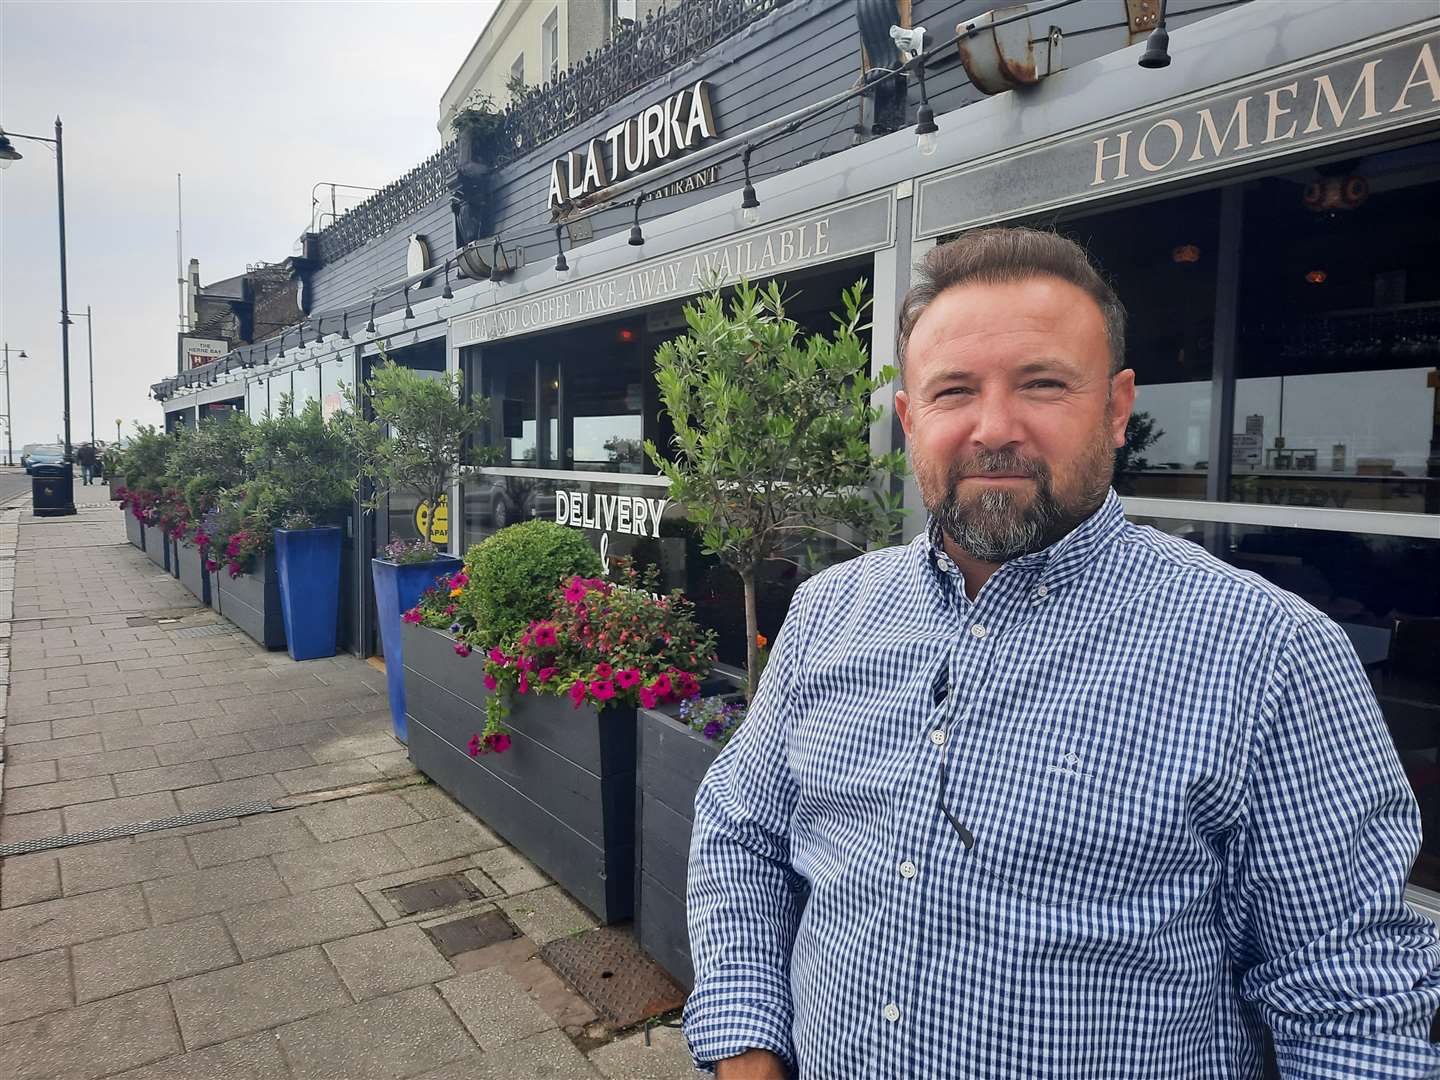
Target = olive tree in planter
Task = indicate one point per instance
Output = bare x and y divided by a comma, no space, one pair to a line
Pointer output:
418,435
146,461
771,448
305,480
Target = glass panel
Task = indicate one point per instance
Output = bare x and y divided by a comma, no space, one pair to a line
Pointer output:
1336,399
257,398
1161,260
332,375
279,384
1384,592
307,386
510,384
605,398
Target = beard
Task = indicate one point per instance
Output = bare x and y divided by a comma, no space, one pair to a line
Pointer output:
1001,524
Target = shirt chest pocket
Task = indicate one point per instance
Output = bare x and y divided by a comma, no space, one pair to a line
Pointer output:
1062,816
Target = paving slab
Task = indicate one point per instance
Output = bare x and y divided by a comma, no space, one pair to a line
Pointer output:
38,772
52,748
387,961
511,871
256,835
220,746
395,1036
547,1056
159,735
28,879
17,828
355,746
90,867
355,859
148,957
251,789
546,914
291,922
92,1040
214,889
443,838
166,778
68,921
667,1057
494,1008
257,1057
270,738
34,985
107,762
345,818
59,794
260,762
133,808
329,777
226,1004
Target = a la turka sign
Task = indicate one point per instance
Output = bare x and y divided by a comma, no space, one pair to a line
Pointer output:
865,224
665,130
1308,106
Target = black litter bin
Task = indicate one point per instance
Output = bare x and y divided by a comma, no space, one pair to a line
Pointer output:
52,490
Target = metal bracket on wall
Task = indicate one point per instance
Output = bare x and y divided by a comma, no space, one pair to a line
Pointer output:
1142,15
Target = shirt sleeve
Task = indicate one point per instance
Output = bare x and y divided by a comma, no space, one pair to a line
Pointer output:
743,899
1344,973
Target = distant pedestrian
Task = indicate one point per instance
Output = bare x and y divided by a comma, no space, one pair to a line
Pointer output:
1047,794
87,458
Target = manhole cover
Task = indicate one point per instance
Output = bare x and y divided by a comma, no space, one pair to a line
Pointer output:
431,895
209,630
471,933
612,973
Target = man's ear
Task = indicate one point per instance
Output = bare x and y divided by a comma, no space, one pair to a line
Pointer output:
1122,403
902,410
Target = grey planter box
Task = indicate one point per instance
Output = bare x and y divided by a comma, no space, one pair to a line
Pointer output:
157,546
190,564
672,761
134,531
563,794
114,483
252,601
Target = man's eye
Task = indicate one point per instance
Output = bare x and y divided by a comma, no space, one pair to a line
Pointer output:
952,390
1045,384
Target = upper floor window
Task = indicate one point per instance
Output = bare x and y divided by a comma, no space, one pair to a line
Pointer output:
550,45
517,71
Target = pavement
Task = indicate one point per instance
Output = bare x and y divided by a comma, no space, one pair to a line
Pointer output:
268,940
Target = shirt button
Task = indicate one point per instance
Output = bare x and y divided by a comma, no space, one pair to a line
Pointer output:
891,1012
1042,591
978,630
907,869
938,736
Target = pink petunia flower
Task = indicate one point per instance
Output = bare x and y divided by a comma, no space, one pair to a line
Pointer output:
545,674
499,742
577,692
411,616
497,656
461,649
627,677
524,684
648,698
473,747
602,689
545,637
575,592
603,671
490,682
661,685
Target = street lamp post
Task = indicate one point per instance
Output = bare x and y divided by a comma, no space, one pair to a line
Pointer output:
90,353
8,153
9,421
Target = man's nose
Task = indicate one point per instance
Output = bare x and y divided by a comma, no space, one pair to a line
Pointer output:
997,422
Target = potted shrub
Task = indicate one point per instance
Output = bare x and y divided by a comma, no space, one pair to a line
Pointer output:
239,556
304,475
536,735
771,447
416,432
146,461
204,462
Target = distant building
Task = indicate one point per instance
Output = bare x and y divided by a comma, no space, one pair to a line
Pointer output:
528,43
238,310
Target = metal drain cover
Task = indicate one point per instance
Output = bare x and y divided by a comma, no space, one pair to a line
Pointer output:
612,973
471,933
208,630
431,894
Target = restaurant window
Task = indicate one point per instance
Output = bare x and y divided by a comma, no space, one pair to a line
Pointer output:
306,387
1161,260
257,398
1336,389
332,379
550,45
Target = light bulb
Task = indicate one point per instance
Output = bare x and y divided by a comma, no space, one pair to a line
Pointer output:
926,144
751,214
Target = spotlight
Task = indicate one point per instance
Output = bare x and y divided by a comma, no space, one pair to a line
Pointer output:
370,326
408,313
1157,45
345,326
637,238
448,293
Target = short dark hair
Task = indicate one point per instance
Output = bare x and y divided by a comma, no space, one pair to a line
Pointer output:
999,255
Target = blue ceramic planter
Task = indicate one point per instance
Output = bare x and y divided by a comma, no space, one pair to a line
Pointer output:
397,590
308,568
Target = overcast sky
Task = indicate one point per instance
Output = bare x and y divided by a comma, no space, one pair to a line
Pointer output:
252,102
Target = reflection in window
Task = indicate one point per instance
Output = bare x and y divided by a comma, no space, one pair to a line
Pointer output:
332,377
1335,396
1161,260
1384,592
257,398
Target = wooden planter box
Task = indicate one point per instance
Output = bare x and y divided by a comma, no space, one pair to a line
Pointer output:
252,601
157,546
672,761
190,564
134,531
563,794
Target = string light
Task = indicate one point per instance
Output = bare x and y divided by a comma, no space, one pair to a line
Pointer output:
749,204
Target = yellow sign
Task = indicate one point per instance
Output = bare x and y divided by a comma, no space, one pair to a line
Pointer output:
438,530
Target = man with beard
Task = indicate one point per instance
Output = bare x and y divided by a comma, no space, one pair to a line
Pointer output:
1045,794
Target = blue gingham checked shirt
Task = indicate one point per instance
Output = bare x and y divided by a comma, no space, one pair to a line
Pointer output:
1178,816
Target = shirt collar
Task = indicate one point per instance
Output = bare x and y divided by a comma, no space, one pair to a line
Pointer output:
1057,564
